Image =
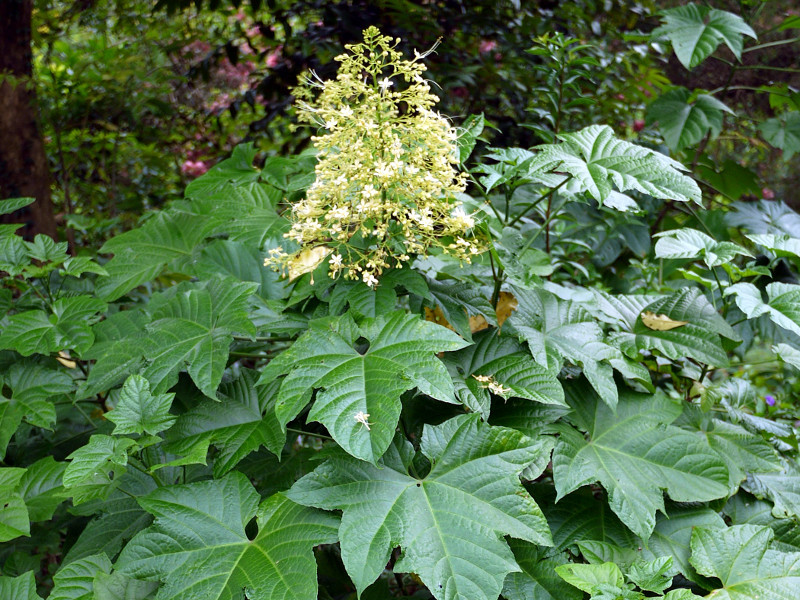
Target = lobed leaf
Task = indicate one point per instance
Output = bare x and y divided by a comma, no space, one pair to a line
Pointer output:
450,523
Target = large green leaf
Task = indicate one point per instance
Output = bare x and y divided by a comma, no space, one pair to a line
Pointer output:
450,523
75,581
583,516
118,587
744,509
195,327
565,329
116,519
636,455
362,299
401,356
96,467
117,350
197,546
765,216
19,588
783,488
783,133
538,579
67,327
141,254
107,532
782,307
684,118
741,558
244,213
696,31
139,411
742,451
238,424
236,170
9,205
780,245
597,160
672,536
693,244
698,339
505,362
14,520
33,389
42,489
242,262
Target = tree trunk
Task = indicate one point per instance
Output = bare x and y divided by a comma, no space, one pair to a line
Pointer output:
24,171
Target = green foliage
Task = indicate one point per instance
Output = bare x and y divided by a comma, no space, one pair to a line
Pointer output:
459,510
696,31
599,405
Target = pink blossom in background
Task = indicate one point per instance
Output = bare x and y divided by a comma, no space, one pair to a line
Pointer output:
487,46
194,168
767,194
274,58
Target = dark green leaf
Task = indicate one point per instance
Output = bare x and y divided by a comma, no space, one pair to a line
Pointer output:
217,561
449,524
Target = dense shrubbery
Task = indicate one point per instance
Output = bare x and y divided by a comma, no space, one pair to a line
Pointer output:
555,372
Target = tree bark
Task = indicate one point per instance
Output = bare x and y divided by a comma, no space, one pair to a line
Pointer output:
24,171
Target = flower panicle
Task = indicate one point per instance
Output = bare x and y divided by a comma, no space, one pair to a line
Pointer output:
386,182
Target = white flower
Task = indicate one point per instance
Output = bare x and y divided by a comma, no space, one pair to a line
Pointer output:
361,417
331,123
370,280
346,112
385,84
336,261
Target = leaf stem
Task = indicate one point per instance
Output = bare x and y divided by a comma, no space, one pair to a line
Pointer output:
311,433
771,44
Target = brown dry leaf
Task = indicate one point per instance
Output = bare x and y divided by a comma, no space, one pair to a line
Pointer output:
477,323
660,322
436,315
506,304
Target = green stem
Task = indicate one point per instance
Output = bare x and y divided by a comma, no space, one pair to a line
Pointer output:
311,433
485,196
547,197
545,224
244,338
771,44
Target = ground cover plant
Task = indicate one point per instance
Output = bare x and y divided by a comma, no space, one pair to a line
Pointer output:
406,363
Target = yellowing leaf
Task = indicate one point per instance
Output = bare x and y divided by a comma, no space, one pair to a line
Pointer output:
436,315
506,304
478,323
660,322
307,260
64,358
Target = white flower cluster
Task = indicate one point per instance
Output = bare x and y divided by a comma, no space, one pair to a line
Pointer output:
386,180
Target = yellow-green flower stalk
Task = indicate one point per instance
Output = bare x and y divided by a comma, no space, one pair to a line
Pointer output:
386,182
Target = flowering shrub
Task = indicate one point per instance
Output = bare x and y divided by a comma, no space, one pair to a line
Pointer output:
386,182
179,422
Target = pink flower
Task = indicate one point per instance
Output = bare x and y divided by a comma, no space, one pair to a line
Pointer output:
194,168
767,194
273,58
487,46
